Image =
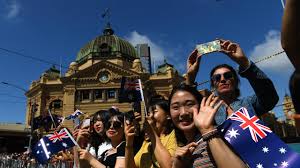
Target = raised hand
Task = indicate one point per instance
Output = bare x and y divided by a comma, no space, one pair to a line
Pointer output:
129,131
85,155
192,66
204,118
235,52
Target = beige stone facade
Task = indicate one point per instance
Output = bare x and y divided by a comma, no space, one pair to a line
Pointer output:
92,82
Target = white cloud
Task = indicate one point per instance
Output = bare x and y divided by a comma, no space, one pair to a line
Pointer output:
157,53
12,9
270,46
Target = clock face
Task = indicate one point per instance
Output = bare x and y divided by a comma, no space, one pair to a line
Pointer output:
104,77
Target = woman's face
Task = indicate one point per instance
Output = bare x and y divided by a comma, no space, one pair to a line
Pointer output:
115,129
182,105
98,126
160,116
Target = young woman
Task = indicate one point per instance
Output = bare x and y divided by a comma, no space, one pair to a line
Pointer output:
193,118
92,136
113,157
158,150
98,139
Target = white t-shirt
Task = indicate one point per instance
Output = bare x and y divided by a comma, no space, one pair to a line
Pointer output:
102,148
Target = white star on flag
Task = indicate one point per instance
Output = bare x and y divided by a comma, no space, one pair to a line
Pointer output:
38,152
275,164
284,164
227,138
64,144
265,149
282,150
259,165
233,133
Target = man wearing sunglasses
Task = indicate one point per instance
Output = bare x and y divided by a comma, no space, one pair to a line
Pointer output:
225,82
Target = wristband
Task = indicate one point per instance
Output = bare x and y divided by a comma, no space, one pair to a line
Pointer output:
211,134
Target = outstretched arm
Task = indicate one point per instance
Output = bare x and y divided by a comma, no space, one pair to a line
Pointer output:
204,119
290,33
265,97
192,66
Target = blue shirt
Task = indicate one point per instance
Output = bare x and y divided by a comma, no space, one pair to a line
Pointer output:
264,99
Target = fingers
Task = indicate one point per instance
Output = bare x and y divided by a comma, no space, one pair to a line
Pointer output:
208,101
203,102
214,100
191,59
218,105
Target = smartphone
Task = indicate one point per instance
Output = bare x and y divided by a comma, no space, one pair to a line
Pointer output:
209,47
129,117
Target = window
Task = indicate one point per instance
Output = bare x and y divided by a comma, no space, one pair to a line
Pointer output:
111,94
85,95
56,104
98,94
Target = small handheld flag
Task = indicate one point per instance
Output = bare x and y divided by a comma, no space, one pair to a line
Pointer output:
255,143
52,144
130,90
74,115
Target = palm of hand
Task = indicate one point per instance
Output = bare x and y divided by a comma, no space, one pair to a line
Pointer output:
205,117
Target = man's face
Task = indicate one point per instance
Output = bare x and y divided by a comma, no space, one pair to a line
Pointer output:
223,81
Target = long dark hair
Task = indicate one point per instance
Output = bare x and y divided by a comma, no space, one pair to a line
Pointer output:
98,139
187,88
163,104
235,77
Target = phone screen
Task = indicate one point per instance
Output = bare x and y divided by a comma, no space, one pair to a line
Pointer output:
209,47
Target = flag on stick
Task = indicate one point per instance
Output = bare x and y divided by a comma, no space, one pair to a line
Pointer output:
74,115
255,143
52,144
131,90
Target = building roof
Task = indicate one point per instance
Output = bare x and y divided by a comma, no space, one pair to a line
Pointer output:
108,42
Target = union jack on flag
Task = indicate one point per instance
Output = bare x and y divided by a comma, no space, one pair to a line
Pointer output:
130,91
132,84
58,136
52,144
250,123
241,131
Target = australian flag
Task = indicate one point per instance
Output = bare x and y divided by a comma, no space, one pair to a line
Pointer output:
74,115
255,143
130,90
52,144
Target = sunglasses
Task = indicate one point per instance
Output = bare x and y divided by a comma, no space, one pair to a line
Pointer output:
114,125
226,76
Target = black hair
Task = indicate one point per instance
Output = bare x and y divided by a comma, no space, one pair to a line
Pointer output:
295,90
235,77
187,88
97,139
160,101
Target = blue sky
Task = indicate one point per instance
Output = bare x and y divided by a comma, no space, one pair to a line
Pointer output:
56,30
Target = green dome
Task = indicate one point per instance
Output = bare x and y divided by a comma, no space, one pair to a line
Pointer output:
107,45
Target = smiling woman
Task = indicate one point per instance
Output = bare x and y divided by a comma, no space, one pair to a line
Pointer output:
113,157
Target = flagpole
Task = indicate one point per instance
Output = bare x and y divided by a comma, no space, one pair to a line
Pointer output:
142,96
49,111
282,3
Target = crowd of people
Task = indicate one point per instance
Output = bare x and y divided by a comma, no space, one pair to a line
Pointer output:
181,131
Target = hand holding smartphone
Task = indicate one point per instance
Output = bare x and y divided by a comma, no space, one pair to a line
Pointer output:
209,47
